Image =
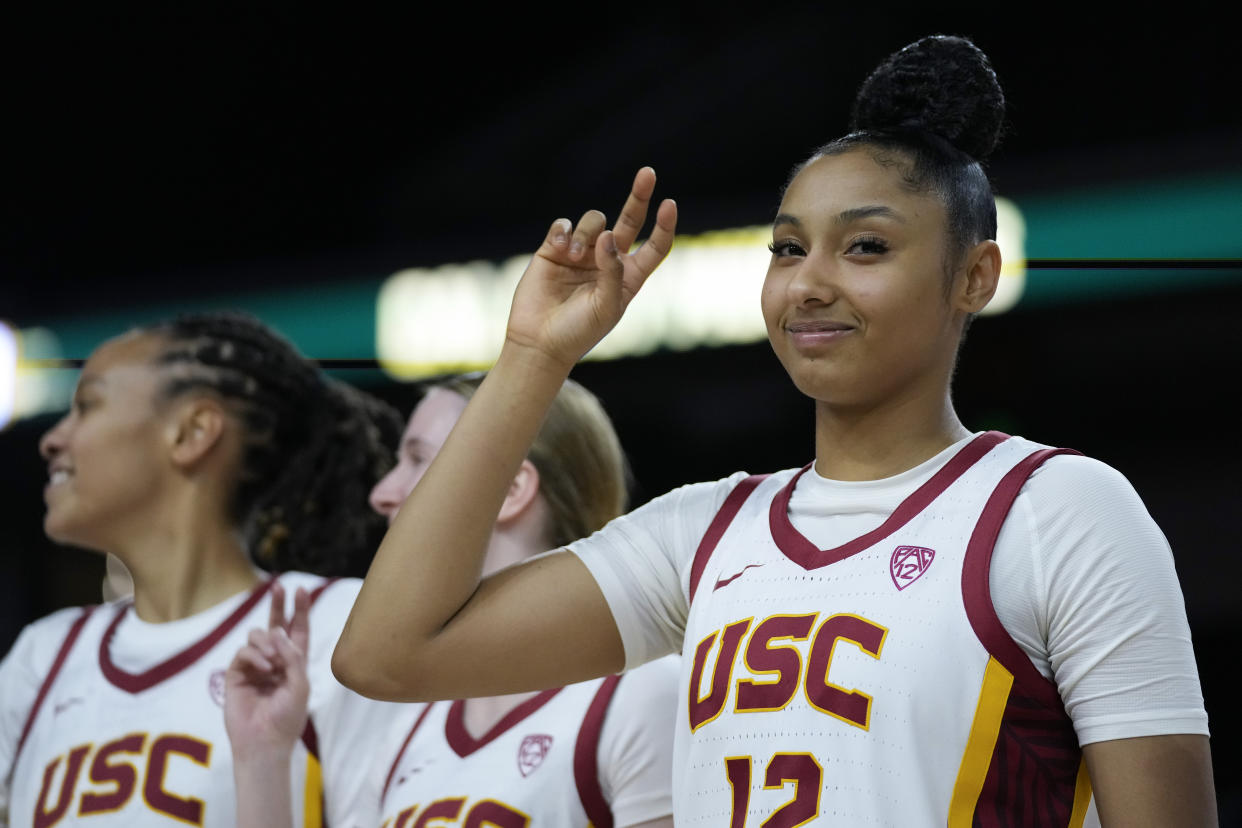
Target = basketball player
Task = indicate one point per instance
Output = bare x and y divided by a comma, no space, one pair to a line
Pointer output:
924,626
597,752
200,453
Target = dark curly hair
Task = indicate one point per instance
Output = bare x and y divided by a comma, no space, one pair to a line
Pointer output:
313,446
935,111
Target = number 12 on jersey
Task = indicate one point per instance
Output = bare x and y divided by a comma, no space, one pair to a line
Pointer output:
799,769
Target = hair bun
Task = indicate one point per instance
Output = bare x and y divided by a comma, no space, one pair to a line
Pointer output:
941,84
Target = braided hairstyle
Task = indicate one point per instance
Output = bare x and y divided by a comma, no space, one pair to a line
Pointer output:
312,446
934,110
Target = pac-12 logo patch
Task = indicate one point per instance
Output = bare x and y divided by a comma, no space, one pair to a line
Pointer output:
215,686
533,750
909,563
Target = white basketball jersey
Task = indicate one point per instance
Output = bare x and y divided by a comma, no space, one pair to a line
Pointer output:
871,684
105,747
537,766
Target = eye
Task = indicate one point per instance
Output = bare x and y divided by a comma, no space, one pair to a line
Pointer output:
785,248
867,246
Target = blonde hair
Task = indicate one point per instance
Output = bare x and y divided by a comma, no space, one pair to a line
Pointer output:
583,473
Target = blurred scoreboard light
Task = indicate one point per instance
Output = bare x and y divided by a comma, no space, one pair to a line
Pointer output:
34,379
452,318
8,373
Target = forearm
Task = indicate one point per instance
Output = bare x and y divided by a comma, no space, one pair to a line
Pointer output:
430,562
264,799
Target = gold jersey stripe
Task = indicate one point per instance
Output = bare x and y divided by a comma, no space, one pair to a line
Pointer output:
980,744
312,804
1082,796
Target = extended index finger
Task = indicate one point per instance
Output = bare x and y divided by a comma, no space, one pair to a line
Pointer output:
276,617
657,247
634,214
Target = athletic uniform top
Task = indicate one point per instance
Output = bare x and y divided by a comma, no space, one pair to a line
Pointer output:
106,720
952,609
596,753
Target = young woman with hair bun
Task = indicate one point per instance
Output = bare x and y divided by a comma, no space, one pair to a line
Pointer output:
924,626
221,468
595,753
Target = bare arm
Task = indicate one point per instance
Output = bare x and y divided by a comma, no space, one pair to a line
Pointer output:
1153,782
424,626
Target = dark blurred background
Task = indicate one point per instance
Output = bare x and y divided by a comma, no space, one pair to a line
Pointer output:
177,156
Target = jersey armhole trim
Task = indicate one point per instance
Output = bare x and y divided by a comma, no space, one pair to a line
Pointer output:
396,760
716,529
70,638
586,756
976,586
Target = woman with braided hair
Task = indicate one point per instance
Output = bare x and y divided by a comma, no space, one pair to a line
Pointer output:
924,626
222,469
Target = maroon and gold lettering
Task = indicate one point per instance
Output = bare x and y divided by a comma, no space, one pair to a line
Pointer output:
44,818
737,769
187,809
444,809
850,706
799,768
807,777
488,813
404,816
122,775
703,709
785,661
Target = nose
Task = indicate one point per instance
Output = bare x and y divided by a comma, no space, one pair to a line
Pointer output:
53,440
814,282
388,495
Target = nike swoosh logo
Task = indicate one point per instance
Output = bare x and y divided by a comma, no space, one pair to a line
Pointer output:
61,707
720,582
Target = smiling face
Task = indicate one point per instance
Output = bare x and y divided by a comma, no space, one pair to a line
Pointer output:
107,457
856,300
426,432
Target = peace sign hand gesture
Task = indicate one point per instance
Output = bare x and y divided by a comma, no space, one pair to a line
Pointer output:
581,279
267,690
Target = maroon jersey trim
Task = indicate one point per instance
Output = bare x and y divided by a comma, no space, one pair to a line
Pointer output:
397,759
463,744
137,682
586,756
797,548
976,570
70,638
716,529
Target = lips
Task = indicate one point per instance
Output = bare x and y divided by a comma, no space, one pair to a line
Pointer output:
818,326
813,335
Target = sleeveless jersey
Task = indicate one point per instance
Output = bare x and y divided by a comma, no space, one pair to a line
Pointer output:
536,766
105,747
870,684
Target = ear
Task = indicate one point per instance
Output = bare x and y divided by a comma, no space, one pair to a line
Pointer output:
978,280
196,427
522,493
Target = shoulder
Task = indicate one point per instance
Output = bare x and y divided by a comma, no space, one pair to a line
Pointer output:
648,686
1074,486
40,640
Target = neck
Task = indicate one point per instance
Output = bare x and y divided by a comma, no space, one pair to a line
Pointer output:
183,568
872,444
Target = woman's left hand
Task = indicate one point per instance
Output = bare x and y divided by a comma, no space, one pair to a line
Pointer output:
266,685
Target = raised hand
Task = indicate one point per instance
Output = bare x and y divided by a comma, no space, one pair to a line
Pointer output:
266,685
582,277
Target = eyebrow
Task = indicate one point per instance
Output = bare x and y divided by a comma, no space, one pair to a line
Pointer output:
846,216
